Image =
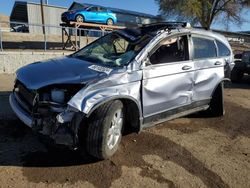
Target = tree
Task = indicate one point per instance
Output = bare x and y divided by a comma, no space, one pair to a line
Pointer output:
203,11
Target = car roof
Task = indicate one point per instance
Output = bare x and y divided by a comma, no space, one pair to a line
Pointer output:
134,34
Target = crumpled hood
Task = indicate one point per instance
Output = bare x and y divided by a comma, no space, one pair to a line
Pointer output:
64,70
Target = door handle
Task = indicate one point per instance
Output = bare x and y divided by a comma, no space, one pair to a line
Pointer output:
186,67
217,63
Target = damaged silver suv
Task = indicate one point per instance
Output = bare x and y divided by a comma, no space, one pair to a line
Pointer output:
127,80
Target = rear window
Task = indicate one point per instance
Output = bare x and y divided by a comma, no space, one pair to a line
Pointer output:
222,49
204,48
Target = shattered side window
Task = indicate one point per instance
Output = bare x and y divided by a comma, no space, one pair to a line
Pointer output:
171,50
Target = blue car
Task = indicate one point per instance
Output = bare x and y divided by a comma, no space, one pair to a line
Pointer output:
90,14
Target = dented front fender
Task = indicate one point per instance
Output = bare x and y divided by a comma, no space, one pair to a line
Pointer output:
120,85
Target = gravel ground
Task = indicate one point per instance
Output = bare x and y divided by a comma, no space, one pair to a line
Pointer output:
186,152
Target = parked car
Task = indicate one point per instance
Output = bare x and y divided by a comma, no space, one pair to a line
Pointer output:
23,28
90,14
242,66
126,80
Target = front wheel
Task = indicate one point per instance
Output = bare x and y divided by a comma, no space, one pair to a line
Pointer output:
79,18
105,130
110,22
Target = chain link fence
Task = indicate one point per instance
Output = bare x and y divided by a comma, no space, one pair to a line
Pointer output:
45,37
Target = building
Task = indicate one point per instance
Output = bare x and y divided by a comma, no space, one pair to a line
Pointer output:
4,22
30,13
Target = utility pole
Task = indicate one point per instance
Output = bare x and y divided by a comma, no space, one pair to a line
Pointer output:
42,14
43,26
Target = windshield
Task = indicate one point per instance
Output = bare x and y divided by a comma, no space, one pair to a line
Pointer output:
111,50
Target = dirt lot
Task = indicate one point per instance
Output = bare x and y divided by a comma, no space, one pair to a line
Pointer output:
186,152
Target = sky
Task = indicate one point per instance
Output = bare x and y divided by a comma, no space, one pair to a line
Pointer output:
145,6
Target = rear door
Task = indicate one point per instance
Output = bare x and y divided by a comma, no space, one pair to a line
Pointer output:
209,68
168,78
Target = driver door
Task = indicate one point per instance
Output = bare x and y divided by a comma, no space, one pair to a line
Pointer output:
168,77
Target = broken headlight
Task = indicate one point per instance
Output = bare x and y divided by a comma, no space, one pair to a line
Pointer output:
67,115
58,95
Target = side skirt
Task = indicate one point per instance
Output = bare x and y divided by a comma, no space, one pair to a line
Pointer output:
175,113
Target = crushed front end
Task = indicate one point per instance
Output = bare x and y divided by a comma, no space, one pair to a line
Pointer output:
46,111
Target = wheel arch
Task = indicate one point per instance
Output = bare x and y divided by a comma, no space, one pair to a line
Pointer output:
216,104
79,14
134,117
217,85
110,18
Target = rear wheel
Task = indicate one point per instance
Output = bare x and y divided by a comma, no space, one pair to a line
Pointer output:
216,107
105,130
79,18
110,22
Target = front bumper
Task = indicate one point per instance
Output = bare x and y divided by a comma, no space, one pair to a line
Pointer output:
21,114
63,134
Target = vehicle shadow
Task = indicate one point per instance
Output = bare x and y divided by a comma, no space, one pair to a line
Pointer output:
233,124
20,147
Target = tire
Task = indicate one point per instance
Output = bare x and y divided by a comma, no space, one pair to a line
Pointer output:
110,22
103,134
236,75
79,18
216,107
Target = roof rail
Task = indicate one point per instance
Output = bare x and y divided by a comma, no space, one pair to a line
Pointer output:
181,24
200,27
164,25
